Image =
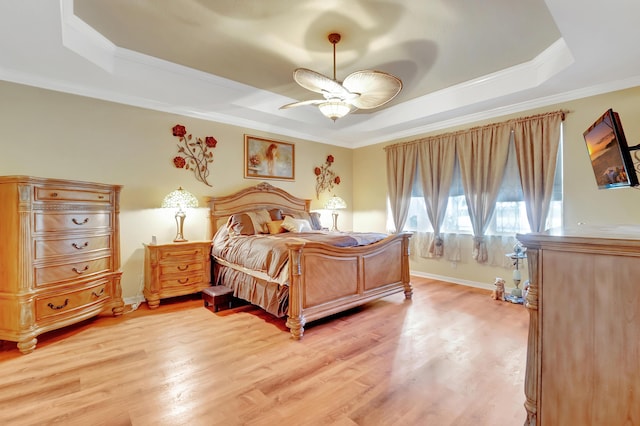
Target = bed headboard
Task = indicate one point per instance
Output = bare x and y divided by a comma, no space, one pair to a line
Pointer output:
256,197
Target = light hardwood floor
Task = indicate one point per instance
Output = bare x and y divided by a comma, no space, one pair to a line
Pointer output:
451,356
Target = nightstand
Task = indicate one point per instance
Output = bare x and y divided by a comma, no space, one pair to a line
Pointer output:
175,269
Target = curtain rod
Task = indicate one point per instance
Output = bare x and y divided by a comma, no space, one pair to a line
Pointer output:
561,112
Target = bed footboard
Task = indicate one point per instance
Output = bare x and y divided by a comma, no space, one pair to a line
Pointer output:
325,280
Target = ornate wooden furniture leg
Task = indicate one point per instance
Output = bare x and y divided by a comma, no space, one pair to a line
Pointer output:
532,369
406,274
295,320
28,345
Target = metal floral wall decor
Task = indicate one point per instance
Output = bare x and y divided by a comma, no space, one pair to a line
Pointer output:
194,154
325,177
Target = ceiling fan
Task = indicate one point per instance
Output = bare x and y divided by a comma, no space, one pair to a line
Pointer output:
365,89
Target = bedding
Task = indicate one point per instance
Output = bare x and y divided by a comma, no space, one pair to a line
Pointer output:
253,222
267,253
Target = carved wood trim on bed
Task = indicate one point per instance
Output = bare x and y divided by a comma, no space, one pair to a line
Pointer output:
323,279
261,196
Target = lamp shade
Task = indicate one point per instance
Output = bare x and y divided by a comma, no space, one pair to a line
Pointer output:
180,199
335,203
334,109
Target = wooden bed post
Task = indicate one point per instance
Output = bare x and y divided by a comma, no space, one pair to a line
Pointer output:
406,274
295,320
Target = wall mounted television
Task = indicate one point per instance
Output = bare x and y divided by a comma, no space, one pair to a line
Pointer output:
609,153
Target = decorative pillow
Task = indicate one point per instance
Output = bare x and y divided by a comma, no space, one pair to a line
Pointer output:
296,225
275,227
299,214
276,214
241,224
260,218
315,221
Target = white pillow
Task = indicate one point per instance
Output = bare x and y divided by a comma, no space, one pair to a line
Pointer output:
296,225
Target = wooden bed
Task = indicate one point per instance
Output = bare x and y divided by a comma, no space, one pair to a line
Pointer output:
323,279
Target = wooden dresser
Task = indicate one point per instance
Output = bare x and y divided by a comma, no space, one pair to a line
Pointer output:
59,257
175,269
583,357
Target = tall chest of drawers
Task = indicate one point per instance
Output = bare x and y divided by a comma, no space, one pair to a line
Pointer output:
59,255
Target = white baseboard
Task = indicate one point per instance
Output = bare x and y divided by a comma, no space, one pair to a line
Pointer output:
468,283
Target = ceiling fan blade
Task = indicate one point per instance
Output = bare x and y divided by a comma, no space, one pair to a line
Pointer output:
302,103
376,88
318,83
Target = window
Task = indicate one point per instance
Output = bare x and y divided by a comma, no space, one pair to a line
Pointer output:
510,215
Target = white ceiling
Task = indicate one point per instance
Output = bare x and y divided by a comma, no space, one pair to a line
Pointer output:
232,61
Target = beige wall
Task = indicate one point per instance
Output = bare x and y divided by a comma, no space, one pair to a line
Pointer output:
583,201
50,134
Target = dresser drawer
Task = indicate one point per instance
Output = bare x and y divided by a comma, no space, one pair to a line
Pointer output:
66,194
70,302
169,268
190,252
187,280
71,271
45,248
48,222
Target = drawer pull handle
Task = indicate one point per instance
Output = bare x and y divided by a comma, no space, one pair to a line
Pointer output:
100,293
80,247
183,268
186,280
86,219
74,269
100,197
58,307
54,194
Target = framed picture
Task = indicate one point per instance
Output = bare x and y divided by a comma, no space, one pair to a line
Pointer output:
268,159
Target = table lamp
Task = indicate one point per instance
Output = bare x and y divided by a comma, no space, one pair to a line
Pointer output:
179,199
335,203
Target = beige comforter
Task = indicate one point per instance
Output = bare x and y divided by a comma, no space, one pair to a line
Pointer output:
267,254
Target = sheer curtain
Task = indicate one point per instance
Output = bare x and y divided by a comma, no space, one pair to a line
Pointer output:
436,159
425,182
482,155
537,141
401,168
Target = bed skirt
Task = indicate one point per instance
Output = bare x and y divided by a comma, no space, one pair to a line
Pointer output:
270,296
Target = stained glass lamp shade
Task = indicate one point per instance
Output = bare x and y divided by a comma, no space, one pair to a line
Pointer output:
180,199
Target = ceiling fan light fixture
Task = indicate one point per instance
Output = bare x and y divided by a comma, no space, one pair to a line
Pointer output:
334,109
365,89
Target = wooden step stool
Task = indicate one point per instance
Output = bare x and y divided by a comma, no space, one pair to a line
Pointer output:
216,296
